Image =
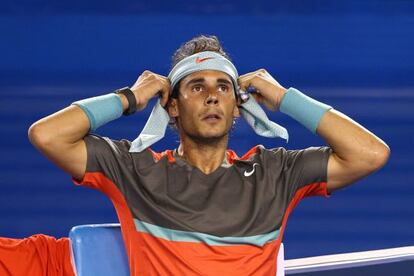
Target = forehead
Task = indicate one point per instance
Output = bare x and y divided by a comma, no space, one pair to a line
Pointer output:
207,75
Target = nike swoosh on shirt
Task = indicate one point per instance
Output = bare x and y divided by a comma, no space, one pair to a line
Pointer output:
247,174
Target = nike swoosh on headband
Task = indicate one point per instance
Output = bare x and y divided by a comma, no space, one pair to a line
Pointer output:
200,60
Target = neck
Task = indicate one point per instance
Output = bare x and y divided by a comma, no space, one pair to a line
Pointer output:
206,155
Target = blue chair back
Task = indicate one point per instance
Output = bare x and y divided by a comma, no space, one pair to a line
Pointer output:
98,249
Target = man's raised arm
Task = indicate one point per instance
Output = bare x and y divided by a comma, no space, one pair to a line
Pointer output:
357,152
60,136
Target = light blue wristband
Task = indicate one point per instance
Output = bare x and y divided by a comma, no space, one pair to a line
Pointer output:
101,109
303,109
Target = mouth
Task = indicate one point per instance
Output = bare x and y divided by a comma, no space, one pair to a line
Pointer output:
211,117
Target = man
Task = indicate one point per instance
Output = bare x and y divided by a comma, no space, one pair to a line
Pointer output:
200,209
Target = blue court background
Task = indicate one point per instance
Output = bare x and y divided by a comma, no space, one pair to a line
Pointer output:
354,55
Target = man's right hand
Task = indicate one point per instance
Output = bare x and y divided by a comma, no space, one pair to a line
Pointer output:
148,85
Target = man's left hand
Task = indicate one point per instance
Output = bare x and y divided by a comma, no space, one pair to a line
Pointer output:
268,90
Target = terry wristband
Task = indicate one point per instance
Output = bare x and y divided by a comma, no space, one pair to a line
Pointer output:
303,109
101,109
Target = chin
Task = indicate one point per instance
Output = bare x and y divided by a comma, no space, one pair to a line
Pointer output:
214,133
208,136
214,136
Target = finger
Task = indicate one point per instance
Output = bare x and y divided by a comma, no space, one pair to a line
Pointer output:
252,73
262,72
246,81
164,98
144,74
256,82
165,91
251,84
245,77
257,72
161,76
257,97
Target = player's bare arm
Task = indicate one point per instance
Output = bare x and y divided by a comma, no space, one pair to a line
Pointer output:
357,152
60,136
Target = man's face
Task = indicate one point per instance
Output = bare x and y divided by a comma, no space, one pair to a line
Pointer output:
206,105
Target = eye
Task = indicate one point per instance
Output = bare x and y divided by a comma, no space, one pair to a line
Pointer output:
224,88
197,88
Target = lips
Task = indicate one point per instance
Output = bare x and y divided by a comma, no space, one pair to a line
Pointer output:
211,116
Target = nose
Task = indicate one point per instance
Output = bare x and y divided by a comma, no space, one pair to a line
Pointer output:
212,98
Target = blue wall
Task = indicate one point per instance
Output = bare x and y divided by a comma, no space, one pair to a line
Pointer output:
354,55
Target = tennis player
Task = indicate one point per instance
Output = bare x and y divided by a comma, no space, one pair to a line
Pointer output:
198,209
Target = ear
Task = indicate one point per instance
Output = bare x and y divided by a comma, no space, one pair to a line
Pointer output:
236,111
173,108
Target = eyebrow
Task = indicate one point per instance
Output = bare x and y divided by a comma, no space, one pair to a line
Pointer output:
198,80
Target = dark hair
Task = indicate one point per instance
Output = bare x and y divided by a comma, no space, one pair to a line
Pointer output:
197,44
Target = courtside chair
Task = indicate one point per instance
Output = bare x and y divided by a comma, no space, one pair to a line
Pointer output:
98,249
